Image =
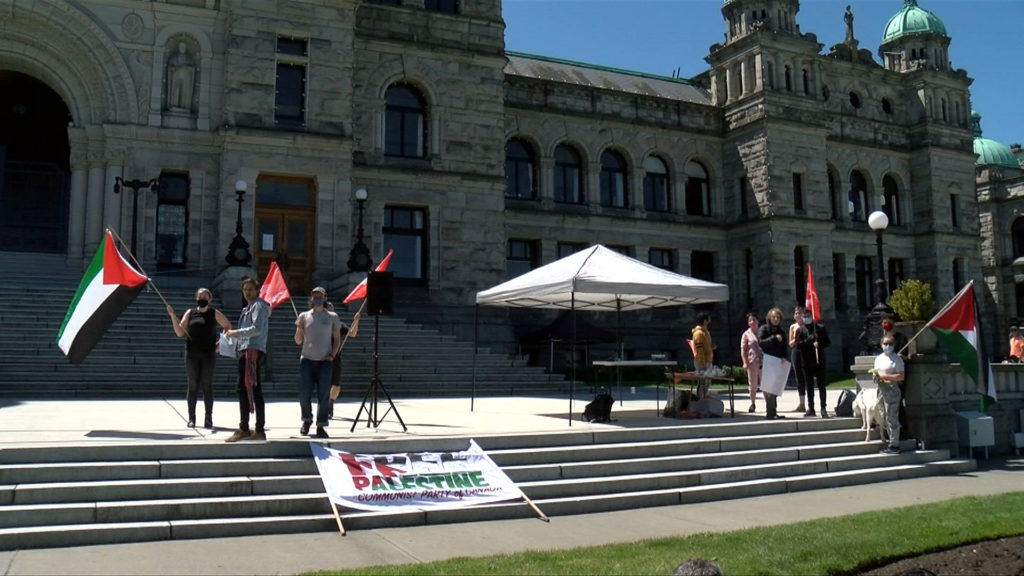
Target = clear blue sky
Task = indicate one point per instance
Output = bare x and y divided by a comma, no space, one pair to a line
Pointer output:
659,36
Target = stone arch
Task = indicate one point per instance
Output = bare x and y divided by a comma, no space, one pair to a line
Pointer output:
64,48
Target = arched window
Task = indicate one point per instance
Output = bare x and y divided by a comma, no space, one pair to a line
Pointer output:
568,175
858,202
656,196
891,200
1018,238
698,190
405,131
613,180
520,170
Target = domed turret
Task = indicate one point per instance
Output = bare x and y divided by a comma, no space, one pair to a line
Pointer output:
912,19
914,39
990,152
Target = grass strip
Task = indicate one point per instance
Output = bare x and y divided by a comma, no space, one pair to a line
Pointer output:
842,546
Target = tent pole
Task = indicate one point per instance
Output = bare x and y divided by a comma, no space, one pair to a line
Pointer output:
618,348
472,397
572,383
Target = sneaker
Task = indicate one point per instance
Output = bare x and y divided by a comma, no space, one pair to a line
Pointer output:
305,428
258,436
191,423
321,433
824,414
810,412
890,450
752,408
208,423
238,435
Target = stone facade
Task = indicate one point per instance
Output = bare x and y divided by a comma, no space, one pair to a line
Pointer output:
789,138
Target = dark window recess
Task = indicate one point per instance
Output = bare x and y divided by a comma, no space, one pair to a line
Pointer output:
405,232
521,257
798,191
443,6
405,131
613,181
520,171
661,258
172,220
568,176
290,97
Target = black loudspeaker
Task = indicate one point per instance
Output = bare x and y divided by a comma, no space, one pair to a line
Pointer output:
379,293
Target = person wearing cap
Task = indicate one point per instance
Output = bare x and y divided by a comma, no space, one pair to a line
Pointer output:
318,331
1016,344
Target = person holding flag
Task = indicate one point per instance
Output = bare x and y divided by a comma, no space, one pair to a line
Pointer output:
199,326
318,331
811,341
252,346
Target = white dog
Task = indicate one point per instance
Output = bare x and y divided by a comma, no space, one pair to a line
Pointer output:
868,406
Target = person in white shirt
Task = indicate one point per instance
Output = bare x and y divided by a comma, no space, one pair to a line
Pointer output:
889,371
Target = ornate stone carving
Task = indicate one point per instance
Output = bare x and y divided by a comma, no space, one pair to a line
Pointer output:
181,79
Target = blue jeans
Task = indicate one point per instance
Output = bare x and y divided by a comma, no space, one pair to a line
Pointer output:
315,376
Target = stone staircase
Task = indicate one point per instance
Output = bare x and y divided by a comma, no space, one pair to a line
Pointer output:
93,494
140,356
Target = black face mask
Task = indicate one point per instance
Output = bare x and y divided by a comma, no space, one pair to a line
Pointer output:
202,303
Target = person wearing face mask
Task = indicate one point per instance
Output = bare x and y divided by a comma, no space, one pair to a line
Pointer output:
252,350
811,341
199,325
797,358
899,342
889,372
318,331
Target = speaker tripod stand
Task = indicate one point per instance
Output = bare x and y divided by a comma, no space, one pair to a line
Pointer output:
376,386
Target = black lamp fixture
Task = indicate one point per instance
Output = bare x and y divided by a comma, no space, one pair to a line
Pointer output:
238,250
879,221
359,257
871,337
135,185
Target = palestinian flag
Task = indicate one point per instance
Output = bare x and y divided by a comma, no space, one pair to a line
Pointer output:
956,327
108,287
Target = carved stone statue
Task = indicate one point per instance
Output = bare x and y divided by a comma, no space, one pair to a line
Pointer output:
181,79
848,18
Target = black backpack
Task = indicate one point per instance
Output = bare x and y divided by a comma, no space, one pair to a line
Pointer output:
844,407
600,409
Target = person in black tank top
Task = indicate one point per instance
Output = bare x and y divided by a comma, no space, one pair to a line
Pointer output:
199,326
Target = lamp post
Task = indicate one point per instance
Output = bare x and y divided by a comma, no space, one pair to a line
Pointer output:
238,250
135,185
871,337
359,257
879,221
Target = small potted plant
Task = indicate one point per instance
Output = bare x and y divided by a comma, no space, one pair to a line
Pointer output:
913,303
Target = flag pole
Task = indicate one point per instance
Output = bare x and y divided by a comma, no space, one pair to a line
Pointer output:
345,339
937,314
337,517
540,515
139,266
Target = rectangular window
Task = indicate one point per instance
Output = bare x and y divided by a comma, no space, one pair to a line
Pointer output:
798,191
567,184
745,196
1019,291
568,248
958,275
702,265
953,215
800,272
895,275
290,87
521,258
624,250
839,280
405,232
865,282
172,219
662,258
444,6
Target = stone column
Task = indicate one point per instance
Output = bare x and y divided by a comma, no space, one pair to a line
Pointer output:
94,205
76,211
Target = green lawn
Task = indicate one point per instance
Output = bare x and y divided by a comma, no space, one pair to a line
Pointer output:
842,546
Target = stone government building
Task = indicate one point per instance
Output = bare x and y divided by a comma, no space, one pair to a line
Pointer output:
482,163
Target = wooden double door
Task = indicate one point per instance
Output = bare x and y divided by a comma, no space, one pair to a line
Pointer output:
285,234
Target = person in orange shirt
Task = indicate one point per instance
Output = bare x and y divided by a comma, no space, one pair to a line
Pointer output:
1016,344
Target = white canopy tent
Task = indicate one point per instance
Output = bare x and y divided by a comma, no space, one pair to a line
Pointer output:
598,278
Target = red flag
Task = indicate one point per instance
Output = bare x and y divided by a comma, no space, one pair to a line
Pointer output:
811,297
360,290
274,290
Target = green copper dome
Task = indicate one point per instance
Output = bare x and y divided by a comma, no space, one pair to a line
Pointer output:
990,152
912,20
